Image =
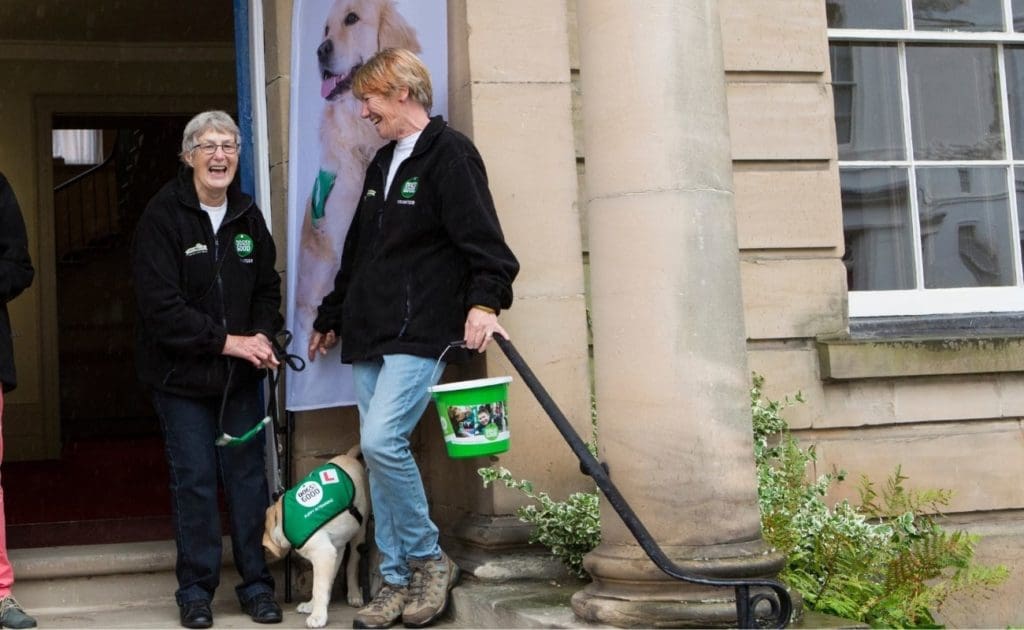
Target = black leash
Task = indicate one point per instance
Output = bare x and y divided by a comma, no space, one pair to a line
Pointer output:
279,342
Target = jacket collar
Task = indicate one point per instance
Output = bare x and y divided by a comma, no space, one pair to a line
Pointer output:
238,201
430,133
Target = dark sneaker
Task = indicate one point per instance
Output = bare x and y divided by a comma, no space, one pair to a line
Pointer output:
12,615
196,614
384,610
429,590
263,609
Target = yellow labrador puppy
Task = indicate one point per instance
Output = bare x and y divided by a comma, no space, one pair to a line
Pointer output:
324,512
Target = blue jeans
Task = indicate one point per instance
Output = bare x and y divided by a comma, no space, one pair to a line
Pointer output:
190,427
392,395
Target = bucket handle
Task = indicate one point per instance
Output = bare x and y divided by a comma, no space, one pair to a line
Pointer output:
455,344
458,343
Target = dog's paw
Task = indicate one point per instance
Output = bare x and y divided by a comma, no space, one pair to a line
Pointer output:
305,607
317,619
355,600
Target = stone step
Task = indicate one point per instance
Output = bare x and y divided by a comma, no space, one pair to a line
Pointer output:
84,577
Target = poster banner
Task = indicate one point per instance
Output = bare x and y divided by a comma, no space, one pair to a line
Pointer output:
330,146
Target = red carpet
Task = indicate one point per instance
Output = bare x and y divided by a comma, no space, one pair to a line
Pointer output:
101,490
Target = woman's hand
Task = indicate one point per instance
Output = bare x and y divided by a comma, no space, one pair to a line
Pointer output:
480,328
255,349
320,343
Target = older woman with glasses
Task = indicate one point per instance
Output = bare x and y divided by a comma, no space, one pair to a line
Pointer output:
209,303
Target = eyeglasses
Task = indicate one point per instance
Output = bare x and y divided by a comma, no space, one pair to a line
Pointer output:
209,148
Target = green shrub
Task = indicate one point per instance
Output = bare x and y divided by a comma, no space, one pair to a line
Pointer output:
886,562
568,528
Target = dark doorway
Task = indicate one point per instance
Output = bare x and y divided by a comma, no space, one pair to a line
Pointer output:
111,451
150,65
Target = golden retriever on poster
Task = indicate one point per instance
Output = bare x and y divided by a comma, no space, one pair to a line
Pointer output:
353,31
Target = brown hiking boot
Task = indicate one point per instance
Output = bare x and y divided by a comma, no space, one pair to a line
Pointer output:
384,610
432,581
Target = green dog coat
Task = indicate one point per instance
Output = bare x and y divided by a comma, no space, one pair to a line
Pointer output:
323,494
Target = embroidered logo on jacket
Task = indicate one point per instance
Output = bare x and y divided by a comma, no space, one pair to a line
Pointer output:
244,245
410,186
198,248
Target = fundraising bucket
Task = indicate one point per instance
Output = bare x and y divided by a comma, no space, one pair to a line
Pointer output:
474,416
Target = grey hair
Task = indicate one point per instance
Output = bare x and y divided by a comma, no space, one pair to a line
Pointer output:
212,120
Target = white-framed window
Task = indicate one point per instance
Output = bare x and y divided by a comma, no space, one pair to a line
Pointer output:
929,112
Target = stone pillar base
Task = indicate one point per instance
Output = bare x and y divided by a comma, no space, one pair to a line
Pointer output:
496,548
654,614
628,590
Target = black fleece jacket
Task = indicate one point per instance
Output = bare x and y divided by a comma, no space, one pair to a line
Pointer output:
416,261
15,274
192,288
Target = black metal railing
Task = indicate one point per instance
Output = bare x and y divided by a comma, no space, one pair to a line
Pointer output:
771,592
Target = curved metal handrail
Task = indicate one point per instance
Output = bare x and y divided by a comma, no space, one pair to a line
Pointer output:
87,172
781,605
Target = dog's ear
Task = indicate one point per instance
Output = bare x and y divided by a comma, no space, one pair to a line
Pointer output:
394,31
272,522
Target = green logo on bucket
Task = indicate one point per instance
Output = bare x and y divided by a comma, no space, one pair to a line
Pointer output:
244,245
409,187
491,432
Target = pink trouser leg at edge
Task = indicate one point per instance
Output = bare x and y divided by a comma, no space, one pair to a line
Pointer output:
6,572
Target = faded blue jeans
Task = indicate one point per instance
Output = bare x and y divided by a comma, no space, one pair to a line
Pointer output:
190,427
392,394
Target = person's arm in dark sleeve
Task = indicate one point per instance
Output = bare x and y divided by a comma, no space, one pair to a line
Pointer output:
16,271
156,271
472,223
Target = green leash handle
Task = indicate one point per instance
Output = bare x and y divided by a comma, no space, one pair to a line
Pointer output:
230,440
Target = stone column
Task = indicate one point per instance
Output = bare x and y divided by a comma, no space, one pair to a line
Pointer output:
669,345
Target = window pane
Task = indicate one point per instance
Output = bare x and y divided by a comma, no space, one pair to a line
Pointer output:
78,146
958,15
965,227
1018,184
954,102
866,94
1018,15
1015,90
864,13
876,225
